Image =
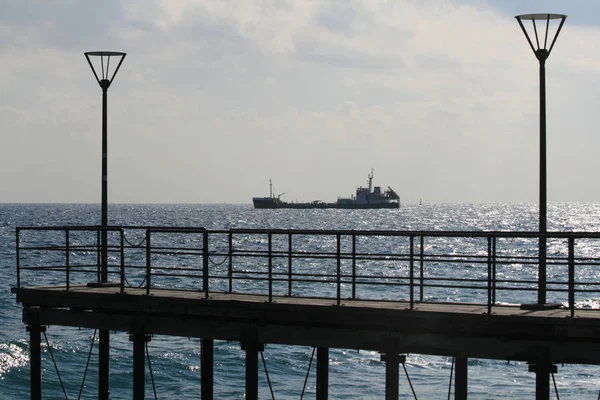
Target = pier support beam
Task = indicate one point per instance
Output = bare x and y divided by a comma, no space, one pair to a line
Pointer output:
206,368
542,379
252,348
104,365
35,359
139,364
460,378
322,373
392,359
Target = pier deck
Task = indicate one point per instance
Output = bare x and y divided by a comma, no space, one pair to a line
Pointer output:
452,329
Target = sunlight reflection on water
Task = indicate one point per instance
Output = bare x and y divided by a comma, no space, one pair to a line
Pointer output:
175,361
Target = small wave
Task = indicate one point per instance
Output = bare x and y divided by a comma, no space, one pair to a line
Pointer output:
12,355
588,304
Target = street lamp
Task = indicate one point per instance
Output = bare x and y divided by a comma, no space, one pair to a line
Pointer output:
542,53
104,79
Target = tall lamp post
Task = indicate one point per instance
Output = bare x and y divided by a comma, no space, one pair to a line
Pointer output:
104,78
542,52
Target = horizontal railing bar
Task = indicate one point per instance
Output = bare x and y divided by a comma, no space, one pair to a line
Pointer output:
448,234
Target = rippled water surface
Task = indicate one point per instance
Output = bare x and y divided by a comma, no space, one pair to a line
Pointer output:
353,374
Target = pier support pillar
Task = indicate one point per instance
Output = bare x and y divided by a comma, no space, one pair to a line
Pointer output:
252,348
460,378
322,373
392,359
35,359
103,365
542,379
206,368
139,364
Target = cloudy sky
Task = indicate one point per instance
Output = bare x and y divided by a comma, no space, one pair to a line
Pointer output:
214,98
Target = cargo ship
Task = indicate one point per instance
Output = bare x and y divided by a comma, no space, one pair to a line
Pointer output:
366,198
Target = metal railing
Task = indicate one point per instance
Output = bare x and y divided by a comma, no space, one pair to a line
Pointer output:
414,266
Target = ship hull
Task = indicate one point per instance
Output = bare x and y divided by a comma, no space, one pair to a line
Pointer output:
270,203
266,202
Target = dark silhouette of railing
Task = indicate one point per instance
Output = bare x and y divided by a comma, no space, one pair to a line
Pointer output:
488,268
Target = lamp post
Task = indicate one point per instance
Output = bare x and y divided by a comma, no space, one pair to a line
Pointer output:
104,79
541,52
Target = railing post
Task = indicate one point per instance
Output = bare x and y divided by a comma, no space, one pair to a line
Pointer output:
205,263
148,261
270,263
230,264
98,255
122,261
494,242
542,268
290,277
339,269
353,265
104,264
18,254
489,280
572,275
412,272
421,268
67,258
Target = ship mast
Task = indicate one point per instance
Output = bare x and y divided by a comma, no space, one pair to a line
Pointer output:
370,181
270,189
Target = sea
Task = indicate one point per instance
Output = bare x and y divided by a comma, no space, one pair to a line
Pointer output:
174,363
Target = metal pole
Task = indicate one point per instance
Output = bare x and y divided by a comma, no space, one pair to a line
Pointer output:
322,373
289,264
103,365
205,260
572,275
139,364
542,385
207,368
339,269
270,263
542,379
35,359
461,378
542,54
489,278
104,335
104,222
412,272
252,348
391,359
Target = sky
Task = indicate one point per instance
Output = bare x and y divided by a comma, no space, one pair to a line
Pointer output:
440,98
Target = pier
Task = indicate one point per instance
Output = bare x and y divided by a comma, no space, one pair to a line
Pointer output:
437,293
